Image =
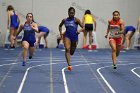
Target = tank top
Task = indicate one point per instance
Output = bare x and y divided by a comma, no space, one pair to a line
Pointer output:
29,33
115,26
71,27
88,19
14,18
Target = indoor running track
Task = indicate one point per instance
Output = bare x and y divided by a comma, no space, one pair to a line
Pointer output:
92,72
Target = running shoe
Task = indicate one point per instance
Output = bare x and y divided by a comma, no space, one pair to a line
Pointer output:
69,68
114,66
23,63
12,46
30,57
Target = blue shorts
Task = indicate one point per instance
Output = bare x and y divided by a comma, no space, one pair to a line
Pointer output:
31,41
14,25
72,37
31,44
129,28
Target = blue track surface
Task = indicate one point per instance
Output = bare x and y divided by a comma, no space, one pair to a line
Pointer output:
47,73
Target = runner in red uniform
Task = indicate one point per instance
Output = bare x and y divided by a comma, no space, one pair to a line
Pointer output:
115,28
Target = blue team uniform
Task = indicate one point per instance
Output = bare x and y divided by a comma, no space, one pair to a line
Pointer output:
129,28
29,35
14,21
71,29
43,29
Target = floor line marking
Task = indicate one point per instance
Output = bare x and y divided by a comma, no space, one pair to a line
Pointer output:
93,73
9,70
133,71
64,77
51,73
26,73
106,82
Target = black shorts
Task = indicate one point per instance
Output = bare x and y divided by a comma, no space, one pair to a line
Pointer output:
89,27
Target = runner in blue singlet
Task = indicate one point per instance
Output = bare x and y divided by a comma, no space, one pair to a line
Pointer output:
28,41
71,35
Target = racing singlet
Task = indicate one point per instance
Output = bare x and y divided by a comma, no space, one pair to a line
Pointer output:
14,20
88,19
114,28
29,34
71,29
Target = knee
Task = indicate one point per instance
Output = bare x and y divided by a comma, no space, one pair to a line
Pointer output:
25,47
114,50
67,50
127,37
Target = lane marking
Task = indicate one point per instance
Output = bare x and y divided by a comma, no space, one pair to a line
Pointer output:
9,70
133,71
25,76
109,86
51,73
64,76
27,71
106,82
93,72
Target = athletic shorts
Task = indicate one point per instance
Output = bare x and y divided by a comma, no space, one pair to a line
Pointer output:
89,27
118,41
30,40
129,28
14,25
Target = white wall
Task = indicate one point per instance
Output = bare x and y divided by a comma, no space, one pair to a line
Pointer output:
50,13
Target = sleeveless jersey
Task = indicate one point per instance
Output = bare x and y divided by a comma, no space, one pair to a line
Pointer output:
29,33
88,19
71,29
14,20
115,27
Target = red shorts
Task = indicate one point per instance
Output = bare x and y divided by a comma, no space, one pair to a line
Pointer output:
118,41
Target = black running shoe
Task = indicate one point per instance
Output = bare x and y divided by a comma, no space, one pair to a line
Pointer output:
114,66
12,46
30,57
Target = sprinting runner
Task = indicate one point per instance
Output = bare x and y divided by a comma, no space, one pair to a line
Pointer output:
71,35
28,41
115,28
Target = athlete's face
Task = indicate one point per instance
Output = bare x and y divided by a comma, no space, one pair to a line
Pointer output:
116,16
71,13
29,17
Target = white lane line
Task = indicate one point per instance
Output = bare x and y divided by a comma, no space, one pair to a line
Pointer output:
9,70
65,81
133,71
26,73
25,76
106,82
109,86
64,76
8,64
51,73
93,73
